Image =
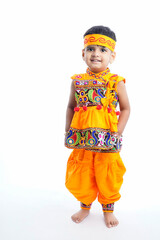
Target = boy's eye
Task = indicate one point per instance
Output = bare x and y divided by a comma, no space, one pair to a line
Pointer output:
90,49
104,50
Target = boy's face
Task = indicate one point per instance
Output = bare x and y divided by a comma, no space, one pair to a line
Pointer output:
97,57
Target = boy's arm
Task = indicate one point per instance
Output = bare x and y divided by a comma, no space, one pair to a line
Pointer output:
124,107
70,107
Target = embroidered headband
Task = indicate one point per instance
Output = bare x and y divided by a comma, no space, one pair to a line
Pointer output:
99,39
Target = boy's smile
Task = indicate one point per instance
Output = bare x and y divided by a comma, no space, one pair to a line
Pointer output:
97,57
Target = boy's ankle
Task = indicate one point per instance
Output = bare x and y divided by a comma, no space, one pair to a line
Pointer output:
108,207
85,207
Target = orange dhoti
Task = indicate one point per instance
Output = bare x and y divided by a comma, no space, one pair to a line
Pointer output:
94,174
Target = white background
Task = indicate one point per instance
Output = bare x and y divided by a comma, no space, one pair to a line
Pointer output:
40,48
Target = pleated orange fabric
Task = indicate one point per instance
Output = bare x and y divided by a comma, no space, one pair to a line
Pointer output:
93,117
94,174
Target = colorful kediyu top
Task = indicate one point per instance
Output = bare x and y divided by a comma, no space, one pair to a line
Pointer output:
94,124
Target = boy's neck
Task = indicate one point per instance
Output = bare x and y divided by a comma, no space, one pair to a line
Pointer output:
97,73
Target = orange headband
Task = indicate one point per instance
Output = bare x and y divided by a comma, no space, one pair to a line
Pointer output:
99,39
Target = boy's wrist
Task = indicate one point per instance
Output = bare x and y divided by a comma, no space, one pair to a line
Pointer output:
120,130
118,134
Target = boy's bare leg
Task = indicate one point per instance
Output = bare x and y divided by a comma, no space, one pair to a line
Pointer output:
109,218
82,214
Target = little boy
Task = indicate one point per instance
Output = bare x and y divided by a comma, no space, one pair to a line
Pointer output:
93,129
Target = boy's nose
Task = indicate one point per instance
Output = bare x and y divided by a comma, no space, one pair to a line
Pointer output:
96,52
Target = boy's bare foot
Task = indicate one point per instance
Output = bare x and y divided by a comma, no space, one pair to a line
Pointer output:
110,219
80,216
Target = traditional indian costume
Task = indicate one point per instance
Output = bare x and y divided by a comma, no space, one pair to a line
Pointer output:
95,168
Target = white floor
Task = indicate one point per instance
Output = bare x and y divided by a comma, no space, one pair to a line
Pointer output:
35,214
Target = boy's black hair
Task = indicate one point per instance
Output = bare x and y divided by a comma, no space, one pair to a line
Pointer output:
101,30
